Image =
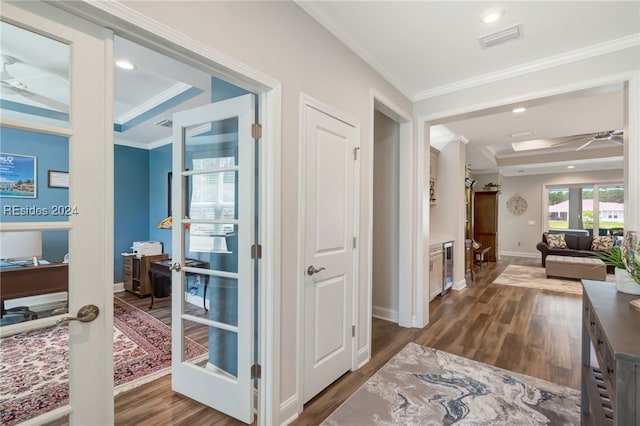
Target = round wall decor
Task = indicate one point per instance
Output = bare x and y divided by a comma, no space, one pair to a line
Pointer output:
517,205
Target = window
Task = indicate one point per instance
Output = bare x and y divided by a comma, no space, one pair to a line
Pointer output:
213,196
597,208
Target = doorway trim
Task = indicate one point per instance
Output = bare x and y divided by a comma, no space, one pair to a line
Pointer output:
631,82
407,273
149,33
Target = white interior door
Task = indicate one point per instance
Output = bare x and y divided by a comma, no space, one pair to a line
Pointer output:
329,249
213,185
57,112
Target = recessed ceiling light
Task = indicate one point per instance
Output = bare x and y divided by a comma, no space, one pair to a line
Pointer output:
492,15
571,167
125,65
521,134
519,110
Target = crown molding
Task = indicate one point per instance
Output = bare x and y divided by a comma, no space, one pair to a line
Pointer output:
139,28
312,10
543,64
562,59
130,144
153,102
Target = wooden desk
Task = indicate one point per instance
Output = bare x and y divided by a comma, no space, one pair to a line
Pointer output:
161,267
27,281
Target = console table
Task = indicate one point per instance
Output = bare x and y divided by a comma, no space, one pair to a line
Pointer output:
161,267
610,391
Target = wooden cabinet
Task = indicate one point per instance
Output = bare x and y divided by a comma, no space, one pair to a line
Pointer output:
436,261
136,273
485,221
610,384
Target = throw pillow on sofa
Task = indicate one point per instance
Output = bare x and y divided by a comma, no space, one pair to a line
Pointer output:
556,241
602,243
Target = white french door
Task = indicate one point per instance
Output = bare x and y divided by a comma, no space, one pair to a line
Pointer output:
213,228
57,109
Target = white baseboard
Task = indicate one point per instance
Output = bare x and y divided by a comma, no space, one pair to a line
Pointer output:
520,254
117,287
384,313
195,300
289,410
459,285
363,357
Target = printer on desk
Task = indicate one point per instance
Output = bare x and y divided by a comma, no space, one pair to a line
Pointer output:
147,248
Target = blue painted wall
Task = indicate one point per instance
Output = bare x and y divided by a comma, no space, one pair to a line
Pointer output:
159,167
131,203
52,153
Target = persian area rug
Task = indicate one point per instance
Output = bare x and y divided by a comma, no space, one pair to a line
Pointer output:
425,386
535,277
34,365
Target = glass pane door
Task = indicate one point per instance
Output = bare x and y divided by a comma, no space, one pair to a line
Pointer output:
53,199
212,233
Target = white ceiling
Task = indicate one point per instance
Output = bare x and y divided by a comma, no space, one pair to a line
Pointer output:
428,48
424,48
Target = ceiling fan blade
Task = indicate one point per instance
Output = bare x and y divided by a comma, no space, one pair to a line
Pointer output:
564,142
51,103
43,100
585,144
616,139
547,143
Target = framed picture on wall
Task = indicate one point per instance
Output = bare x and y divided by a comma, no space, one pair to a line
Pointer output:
58,179
18,176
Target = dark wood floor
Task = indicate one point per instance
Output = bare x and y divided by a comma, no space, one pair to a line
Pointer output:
522,330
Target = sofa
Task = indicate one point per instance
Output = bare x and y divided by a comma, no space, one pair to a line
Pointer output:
578,244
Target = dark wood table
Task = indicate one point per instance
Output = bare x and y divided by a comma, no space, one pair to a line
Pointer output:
161,267
24,281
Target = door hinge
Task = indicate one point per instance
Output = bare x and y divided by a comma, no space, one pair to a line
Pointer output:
355,152
353,331
256,131
354,242
256,251
256,371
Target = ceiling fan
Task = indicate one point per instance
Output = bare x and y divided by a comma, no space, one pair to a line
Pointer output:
614,136
20,87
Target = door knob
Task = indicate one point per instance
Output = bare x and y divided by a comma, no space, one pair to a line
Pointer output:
86,314
312,270
175,267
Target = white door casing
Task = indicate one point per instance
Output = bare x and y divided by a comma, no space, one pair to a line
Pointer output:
90,136
330,156
229,393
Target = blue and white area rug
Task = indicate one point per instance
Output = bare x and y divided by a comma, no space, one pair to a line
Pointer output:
425,386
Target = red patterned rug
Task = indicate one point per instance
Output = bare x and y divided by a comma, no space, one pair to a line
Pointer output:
34,365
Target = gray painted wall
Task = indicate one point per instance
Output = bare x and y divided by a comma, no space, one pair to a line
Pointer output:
386,137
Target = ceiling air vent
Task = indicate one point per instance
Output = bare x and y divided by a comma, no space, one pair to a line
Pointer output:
164,123
501,36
